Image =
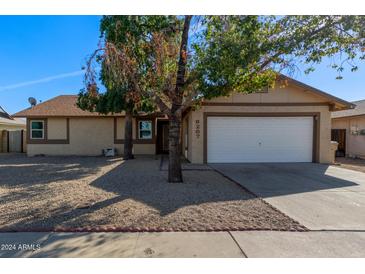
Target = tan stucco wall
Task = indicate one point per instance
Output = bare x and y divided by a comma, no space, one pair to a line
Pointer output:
88,136
24,141
190,134
186,135
57,128
120,128
289,94
355,144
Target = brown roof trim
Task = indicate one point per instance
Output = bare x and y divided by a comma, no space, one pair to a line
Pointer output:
334,99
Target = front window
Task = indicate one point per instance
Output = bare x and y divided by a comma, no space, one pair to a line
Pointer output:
37,129
145,129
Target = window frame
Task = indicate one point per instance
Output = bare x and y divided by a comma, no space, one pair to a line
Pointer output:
139,130
41,130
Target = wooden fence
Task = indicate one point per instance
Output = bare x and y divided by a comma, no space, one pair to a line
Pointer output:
13,141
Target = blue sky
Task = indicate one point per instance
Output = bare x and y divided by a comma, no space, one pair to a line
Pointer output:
42,56
35,48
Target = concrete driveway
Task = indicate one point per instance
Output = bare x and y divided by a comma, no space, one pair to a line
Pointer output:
321,197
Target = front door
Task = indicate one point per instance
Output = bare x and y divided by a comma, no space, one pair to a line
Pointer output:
162,142
339,135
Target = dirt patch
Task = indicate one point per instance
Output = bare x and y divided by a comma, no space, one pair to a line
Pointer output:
353,164
49,193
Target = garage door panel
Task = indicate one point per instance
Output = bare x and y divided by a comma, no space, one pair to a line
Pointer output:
259,139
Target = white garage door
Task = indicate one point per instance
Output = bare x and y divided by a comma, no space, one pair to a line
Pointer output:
259,139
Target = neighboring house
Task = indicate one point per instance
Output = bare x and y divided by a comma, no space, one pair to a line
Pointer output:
7,122
348,129
284,124
11,133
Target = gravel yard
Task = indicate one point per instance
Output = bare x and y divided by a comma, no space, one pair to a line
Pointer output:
47,193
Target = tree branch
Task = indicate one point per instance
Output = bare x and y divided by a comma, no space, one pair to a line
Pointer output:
181,70
188,102
161,104
294,42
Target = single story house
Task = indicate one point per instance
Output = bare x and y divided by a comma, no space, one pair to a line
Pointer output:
348,129
290,123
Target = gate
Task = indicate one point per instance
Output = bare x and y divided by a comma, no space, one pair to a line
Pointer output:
13,141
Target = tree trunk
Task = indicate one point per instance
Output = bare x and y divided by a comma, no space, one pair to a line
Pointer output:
175,173
128,138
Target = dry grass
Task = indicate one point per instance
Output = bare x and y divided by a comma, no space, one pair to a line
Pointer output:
52,192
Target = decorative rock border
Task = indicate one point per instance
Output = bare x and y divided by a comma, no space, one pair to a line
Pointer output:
142,229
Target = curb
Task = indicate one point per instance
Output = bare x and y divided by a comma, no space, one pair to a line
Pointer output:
138,229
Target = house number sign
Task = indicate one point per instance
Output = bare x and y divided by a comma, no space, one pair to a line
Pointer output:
197,128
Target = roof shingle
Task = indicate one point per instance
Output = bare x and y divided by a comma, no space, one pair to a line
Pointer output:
358,110
60,106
